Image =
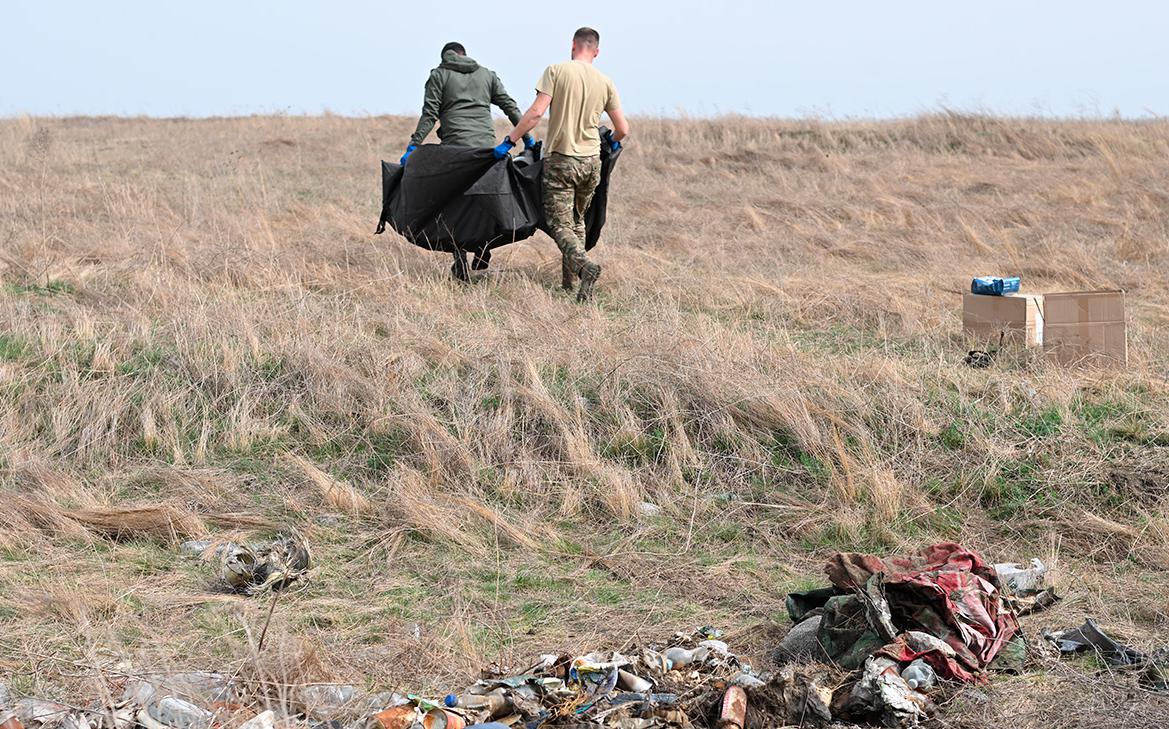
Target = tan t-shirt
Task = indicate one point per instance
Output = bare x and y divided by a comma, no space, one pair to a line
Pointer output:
579,94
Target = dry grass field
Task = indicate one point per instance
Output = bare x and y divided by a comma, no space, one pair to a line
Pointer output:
196,318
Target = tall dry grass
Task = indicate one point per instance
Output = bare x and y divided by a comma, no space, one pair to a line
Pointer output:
198,333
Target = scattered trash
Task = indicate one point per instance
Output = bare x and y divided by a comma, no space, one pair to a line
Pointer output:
919,675
336,701
947,604
1022,580
647,508
980,359
883,695
1026,588
34,711
792,696
904,623
1153,667
733,714
636,684
194,547
253,568
801,642
200,687
173,713
885,634
264,720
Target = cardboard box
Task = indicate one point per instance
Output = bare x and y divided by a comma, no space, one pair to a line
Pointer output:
1085,327
1018,318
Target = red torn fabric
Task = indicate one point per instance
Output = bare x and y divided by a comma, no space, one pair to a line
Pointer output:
948,592
901,651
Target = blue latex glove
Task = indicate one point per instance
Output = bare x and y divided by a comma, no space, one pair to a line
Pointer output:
504,147
529,142
409,149
614,145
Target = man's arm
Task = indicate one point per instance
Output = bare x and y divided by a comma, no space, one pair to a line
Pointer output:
503,100
620,124
531,117
431,105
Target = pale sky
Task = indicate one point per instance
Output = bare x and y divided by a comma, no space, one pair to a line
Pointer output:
835,59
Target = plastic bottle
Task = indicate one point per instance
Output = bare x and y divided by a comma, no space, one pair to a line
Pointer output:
494,704
631,682
919,675
679,657
172,712
995,285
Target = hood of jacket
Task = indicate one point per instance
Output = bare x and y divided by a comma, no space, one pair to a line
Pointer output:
454,62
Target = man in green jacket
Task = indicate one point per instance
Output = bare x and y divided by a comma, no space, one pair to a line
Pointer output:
459,95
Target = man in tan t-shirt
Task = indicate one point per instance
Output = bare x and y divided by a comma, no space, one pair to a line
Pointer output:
577,93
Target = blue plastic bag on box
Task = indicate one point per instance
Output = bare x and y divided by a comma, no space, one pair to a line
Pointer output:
994,285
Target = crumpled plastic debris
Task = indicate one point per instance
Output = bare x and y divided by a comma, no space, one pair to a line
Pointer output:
174,713
201,687
890,607
342,701
34,712
1153,667
254,568
263,720
1025,587
881,693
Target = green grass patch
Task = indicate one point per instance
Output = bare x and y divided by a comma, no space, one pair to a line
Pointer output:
12,347
381,449
142,362
637,449
1121,421
952,438
1043,424
51,288
1017,490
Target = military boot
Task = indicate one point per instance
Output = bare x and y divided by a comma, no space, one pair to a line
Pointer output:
588,276
565,275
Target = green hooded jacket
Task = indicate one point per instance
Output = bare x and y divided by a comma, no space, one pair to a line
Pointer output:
459,95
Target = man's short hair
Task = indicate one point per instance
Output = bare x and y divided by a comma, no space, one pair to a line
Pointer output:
587,37
452,46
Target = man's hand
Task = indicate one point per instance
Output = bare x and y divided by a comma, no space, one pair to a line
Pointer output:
613,144
504,147
529,142
409,149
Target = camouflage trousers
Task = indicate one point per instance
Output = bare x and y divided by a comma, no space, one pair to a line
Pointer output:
569,184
